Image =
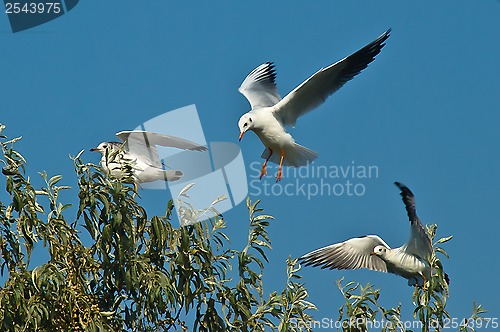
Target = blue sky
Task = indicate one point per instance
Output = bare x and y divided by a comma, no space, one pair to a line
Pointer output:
425,112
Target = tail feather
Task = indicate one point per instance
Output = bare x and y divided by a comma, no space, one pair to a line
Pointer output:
295,156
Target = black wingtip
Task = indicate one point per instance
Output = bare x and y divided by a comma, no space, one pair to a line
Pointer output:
379,43
270,66
302,259
360,59
404,189
199,148
272,71
408,200
383,37
265,74
307,260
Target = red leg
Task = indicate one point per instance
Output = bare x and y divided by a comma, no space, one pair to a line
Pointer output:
263,171
279,176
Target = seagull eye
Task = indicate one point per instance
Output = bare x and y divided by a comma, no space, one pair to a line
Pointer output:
245,125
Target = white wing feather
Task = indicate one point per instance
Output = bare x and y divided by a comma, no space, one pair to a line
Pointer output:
143,144
354,253
259,87
151,139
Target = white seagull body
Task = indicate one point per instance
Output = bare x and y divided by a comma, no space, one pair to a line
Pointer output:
138,148
411,260
270,114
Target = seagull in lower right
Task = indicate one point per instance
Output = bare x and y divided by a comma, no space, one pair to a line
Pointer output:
411,260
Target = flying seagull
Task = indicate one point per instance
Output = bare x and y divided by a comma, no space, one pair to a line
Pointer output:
138,148
270,114
411,260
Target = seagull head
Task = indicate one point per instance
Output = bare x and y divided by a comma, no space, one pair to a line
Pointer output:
106,146
245,123
379,251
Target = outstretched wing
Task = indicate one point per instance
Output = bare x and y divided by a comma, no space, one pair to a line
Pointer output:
419,243
354,253
313,92
259,87
143,144
152,139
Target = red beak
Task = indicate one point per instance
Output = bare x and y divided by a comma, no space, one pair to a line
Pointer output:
241,135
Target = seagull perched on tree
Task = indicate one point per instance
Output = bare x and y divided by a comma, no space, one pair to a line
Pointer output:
270,114
411,260
138,150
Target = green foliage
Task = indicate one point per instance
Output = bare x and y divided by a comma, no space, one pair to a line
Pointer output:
137,273
430,300
360,310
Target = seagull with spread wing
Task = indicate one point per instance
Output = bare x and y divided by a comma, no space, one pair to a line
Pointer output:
270,114
138,148
411,260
